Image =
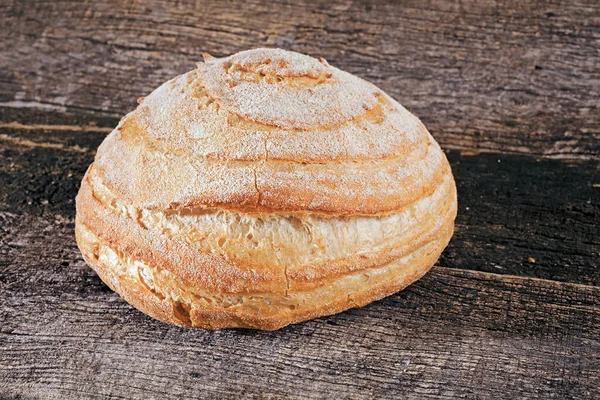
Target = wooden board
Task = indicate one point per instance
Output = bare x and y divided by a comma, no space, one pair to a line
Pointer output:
456,333
484,76
511,89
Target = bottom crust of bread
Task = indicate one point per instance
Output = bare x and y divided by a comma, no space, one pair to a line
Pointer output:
164,296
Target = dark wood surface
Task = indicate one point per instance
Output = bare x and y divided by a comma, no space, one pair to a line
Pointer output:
510,89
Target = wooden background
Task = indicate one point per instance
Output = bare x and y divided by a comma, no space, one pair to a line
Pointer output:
510,89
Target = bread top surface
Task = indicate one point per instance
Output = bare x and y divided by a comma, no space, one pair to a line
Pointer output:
269,130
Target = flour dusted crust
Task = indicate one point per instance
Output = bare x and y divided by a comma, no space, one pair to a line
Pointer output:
263,189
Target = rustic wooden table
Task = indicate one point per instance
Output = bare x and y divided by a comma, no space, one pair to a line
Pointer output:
510,89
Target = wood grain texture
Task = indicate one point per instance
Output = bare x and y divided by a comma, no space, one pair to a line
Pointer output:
511,88
512,208
514,76
454,334
457,333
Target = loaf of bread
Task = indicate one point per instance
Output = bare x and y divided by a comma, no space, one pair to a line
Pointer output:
263,189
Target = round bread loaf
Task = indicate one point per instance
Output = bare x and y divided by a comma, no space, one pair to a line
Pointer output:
263,189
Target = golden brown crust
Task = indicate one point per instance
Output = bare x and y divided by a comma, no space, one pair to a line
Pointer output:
264,189
131,167
257,273
199,269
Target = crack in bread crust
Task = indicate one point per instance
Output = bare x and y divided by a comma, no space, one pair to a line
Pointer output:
301,243
130,167
183,113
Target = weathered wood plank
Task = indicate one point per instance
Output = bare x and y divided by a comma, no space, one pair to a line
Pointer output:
517,215
512,76
524,216
32,118
484,76
454,334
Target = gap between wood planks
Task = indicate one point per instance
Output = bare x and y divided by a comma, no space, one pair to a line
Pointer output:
505,277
